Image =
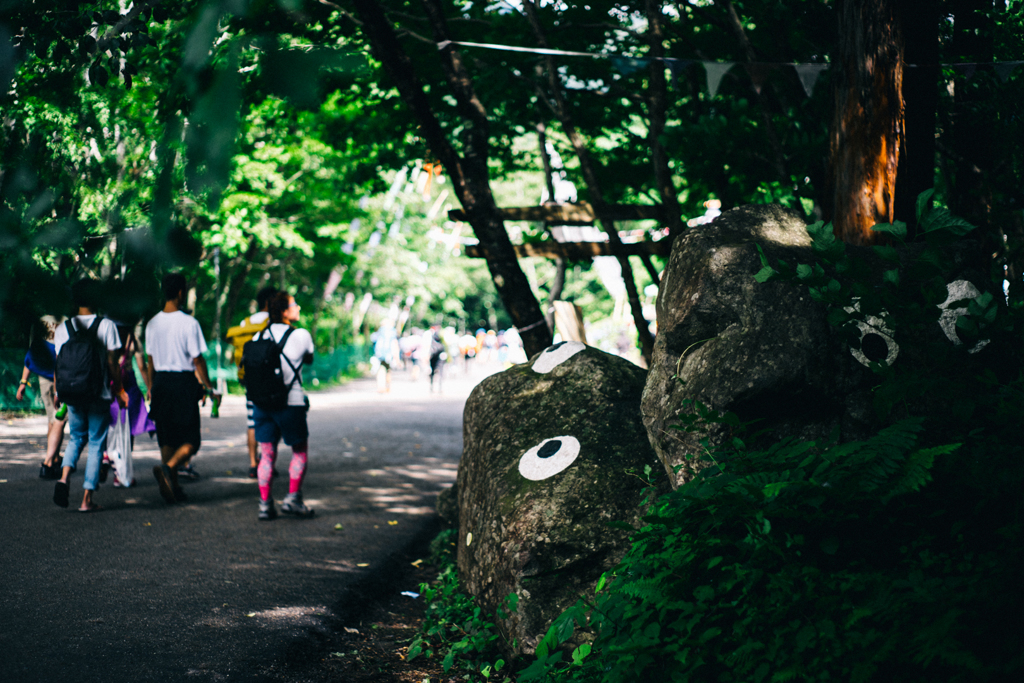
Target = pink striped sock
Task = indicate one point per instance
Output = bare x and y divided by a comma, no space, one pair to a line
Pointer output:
265,471
297,470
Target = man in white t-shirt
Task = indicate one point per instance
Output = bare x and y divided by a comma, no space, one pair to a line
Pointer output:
240,334
288,423
89,418
178,377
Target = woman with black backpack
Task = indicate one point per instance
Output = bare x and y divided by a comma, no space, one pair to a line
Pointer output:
87,378
273,382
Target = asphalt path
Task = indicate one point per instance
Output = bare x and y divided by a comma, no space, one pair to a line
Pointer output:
202,591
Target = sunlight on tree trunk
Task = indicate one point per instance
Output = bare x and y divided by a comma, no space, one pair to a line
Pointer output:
867,128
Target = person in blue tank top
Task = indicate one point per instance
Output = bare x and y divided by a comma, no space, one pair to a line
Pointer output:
39,361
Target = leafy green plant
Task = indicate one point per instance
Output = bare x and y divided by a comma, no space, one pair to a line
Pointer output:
815,562
453,625
888,558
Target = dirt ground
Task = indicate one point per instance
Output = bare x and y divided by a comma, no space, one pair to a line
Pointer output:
374,647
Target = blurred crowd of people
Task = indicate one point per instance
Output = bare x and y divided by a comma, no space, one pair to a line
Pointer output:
438,350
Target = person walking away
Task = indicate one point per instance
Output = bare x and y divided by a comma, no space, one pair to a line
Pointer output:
177,378
86,377
437,358
467,347
283,414
240,334
139,421
39,361
384,345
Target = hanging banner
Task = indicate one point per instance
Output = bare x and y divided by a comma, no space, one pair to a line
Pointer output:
629,65
808,75
715,71
758,72
1004,69
677,67
965,70
807,72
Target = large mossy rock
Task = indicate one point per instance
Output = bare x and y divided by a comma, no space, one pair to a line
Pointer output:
551,454
763,351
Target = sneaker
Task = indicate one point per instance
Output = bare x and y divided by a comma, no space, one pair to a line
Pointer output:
188,472
267,511
292,505
162,474
49,472
105,470
179,495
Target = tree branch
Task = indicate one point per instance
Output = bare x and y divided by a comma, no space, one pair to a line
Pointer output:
117,29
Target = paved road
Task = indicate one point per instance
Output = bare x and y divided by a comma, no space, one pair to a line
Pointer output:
143,591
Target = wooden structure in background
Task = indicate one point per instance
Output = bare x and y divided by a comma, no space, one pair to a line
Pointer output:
580,251
580,213
569,321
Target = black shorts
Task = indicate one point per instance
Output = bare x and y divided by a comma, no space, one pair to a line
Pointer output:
289,422
175,408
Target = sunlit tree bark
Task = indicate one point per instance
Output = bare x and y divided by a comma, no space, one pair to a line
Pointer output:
868,124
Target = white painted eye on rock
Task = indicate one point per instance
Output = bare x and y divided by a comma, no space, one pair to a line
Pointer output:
876,342
958,290
556,354
549,457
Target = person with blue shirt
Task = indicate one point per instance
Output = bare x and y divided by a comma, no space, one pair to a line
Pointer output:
385,351
40,361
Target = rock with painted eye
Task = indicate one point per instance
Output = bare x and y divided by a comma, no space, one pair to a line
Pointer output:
762,350
876,343
549,458
958,290
553,450
556,354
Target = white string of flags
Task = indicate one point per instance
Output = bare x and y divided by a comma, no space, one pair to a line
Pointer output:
807,72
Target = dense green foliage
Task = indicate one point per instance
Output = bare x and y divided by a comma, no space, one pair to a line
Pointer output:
251,134
452,624
892,558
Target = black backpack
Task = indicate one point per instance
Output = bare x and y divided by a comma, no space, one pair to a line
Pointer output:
264,377
80,373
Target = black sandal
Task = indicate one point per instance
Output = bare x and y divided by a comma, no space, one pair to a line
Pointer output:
60,494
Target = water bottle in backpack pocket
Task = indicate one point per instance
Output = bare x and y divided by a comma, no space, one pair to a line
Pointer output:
80,373
264,371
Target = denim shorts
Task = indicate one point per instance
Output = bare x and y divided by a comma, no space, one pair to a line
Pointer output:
288,423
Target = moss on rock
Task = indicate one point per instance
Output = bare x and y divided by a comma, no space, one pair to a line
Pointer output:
548,540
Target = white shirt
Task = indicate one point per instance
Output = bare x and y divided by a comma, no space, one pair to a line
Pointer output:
174,340
296,350
106,333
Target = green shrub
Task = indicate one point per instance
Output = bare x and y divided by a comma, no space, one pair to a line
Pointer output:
453,625
896,558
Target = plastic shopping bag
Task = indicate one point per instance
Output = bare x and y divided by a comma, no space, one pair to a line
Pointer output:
119,449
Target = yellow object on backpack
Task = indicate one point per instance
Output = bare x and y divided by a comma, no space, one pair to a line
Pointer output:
239,335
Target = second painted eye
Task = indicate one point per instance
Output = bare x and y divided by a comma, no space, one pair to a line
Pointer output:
549,457
876,342
555,355
958,290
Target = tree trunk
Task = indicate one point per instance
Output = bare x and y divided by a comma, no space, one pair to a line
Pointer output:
657,94
916,171
596,197
972,139
467,171
561,264
557,286
867,128
236,280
